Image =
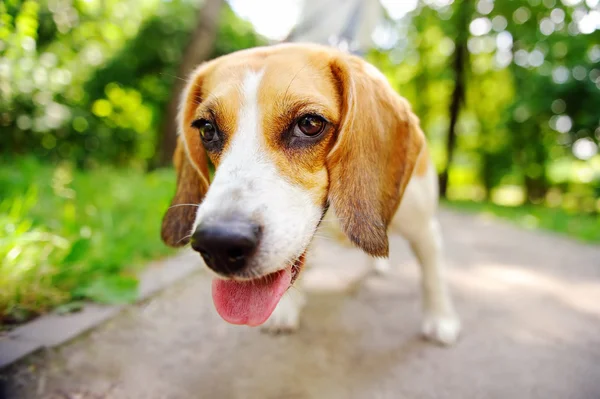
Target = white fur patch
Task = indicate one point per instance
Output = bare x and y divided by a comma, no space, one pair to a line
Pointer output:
248,184
444,330
286,316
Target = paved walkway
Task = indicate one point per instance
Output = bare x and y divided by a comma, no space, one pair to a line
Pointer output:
530,304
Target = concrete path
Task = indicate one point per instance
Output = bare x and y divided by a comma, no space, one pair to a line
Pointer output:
530,304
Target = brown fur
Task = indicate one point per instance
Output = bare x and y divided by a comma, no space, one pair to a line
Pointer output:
191,188
374,157
286,93
423,162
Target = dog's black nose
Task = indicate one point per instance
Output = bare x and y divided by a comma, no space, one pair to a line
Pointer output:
226,245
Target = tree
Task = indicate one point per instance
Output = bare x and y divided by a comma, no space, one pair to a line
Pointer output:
199,48
459,64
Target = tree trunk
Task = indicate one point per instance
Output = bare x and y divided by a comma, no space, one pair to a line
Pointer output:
198,49
535,189
486,173
458,95
536,184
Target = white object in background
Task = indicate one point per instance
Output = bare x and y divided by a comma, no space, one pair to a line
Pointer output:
348,24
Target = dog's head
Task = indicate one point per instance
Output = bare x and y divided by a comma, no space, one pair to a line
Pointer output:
290,129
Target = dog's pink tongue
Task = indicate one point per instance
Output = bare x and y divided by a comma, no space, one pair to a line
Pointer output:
250,302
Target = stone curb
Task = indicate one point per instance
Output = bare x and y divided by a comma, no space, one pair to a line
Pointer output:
52,330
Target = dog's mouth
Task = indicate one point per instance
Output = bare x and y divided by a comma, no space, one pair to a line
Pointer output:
251,302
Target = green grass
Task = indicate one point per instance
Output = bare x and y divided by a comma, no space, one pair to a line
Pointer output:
585,227
67,235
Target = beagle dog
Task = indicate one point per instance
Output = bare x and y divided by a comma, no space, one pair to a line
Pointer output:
292,130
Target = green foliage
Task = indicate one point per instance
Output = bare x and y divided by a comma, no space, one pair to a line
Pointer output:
67,234
28,253
533,91
110,289
88,81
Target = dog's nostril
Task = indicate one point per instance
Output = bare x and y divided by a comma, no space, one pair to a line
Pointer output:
236,254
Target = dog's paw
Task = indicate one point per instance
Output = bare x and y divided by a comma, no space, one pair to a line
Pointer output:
444,330
286,316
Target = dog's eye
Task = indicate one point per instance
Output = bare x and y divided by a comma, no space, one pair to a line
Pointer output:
207,130
310,125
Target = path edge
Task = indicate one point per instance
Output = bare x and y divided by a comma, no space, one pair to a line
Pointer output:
52,330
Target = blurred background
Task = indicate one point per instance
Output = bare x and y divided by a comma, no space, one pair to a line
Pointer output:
508,92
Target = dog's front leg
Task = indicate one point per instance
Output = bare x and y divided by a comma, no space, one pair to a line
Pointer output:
286,316
440,321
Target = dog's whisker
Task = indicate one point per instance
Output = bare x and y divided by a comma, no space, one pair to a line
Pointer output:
336,220
325,237
173,76
293,287
177,205
285,94
184,238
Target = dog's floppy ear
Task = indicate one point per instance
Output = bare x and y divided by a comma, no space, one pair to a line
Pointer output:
378,143
191,165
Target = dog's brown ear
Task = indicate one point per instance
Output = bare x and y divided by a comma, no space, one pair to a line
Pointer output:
191,187
191,165
378,143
